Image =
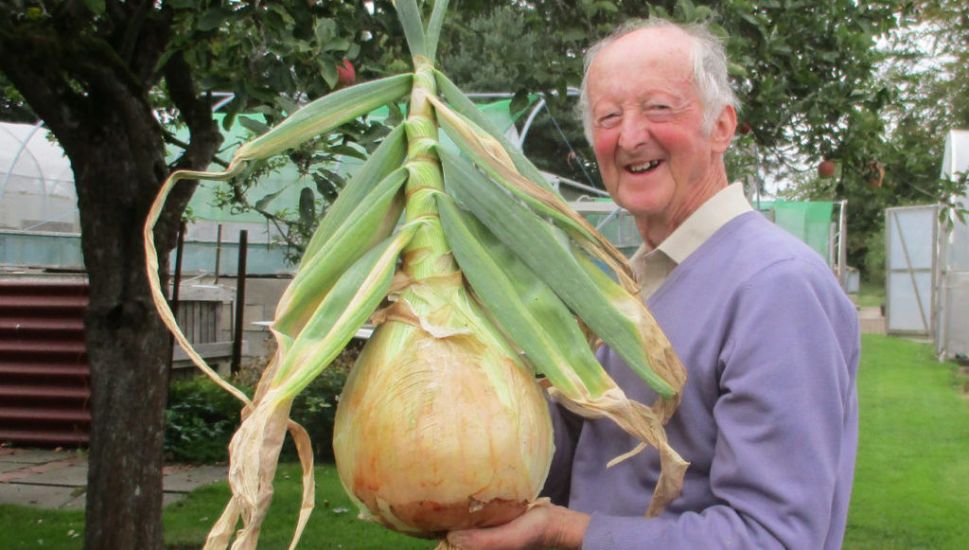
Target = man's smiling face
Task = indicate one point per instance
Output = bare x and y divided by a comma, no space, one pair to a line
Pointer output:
656,159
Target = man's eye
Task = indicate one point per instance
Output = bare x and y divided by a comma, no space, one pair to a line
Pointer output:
609,120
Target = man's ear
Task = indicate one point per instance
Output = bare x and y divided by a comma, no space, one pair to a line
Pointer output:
723,129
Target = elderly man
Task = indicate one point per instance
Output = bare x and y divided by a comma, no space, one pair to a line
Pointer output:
769,413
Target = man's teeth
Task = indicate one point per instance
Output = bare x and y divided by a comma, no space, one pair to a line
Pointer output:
644,167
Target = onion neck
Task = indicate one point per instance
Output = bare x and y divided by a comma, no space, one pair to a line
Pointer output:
427,255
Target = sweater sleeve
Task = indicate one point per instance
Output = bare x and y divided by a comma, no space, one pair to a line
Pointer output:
786,381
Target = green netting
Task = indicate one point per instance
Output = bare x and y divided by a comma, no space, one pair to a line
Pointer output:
284,185
809,221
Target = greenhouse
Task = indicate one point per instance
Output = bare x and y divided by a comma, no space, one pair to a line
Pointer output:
952,337
39,223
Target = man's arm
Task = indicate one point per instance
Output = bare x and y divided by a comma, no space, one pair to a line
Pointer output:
785,420
787,406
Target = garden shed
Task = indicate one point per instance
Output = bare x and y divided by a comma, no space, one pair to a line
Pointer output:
927,265
952,336
912,270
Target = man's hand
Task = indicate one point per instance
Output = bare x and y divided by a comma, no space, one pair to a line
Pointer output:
544,525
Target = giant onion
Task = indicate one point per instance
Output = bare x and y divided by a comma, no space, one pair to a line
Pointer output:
488,281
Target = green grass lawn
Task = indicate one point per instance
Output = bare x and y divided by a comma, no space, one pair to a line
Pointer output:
334,522
911,485
47,529
912,478
333,525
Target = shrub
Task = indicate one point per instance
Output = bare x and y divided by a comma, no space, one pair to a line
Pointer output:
315,407
201,417
199,421
875,258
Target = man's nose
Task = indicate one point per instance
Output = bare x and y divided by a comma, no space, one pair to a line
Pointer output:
634,131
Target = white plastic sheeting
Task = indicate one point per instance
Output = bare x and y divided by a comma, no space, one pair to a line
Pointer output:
956,156
36,182
952,336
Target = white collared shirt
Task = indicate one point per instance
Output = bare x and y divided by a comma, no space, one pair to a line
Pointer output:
652,266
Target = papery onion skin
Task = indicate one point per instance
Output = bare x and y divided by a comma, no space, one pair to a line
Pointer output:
435,434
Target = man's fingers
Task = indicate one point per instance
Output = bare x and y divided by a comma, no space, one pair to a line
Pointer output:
522,533
544,525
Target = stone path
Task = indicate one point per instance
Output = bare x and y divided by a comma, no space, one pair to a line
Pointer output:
57,479
871,320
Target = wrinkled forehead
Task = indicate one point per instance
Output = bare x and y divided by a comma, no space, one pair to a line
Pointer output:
666,52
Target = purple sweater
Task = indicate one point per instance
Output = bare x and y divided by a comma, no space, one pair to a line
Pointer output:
769,413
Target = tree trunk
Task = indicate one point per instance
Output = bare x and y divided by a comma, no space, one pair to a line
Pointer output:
89,81
118,158
127,347
117,171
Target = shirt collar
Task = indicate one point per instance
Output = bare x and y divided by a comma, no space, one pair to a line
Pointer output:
713,214
725,205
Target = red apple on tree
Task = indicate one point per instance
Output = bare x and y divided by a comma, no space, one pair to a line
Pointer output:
826,168
346,75
745,128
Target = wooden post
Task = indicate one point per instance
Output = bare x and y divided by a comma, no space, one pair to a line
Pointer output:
176,283
240,302
218,252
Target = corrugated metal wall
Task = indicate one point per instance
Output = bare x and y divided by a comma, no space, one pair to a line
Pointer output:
44,375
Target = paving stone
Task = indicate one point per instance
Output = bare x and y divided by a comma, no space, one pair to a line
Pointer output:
57,479
872,326
73,475
33,456
77,500
12,466
38,496
871,321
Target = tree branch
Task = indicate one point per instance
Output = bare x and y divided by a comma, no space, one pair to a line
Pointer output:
26,58
238,195
171,139
196,112
132,31
204,139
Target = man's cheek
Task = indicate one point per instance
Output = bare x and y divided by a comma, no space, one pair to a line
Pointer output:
604,145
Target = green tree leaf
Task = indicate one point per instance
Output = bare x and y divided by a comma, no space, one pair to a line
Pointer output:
95,6
307,206
253,125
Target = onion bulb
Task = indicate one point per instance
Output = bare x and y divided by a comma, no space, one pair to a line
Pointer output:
440,426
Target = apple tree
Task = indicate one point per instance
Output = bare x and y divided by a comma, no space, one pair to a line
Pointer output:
102,75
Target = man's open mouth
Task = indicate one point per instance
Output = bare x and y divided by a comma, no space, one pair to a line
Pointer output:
644,167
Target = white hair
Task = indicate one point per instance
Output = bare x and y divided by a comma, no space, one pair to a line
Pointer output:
709,69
